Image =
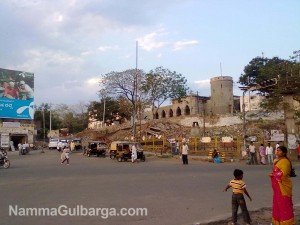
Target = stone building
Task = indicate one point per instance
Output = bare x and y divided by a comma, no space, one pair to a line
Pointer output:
221,102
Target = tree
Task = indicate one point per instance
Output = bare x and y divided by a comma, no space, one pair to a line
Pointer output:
123,84
282,95
161,84
287,73
41,115
113,106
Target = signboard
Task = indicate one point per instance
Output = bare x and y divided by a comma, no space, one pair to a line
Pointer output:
251,139
206,139
277,135
292,141
11,124
4,140
16,94
227,139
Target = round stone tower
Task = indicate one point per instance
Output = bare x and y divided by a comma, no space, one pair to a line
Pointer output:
221,101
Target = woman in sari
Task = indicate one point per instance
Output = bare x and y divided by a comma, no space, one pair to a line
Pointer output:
262,154
282,210
215,156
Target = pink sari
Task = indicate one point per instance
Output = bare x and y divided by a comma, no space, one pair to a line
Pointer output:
282,210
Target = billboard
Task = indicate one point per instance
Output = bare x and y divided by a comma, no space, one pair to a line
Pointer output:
16,94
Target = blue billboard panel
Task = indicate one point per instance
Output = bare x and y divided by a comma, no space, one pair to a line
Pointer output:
16,94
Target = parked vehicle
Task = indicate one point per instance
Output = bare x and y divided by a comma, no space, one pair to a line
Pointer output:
77,144
121,150
97,148
53,143
65,143
4,162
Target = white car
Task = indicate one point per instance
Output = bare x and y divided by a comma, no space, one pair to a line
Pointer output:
53,143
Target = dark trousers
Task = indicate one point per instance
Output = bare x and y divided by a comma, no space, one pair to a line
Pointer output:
239,200
66,159
185,159
253,159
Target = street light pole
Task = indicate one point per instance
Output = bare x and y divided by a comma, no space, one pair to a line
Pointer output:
44,128
103,120
135,95
244,117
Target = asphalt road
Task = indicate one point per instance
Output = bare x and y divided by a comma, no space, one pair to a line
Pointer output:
172,193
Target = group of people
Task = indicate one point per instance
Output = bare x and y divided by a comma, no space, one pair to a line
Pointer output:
16,90
261,154
282,206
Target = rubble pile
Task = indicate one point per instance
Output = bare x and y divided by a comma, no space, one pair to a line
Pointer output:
174,130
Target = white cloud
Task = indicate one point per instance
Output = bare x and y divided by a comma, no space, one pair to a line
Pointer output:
107,48
149,42
180,45
93,81
203,83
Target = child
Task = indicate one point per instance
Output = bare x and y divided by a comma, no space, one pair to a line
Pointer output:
239,188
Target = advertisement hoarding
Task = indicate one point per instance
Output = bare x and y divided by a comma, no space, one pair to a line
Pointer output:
16,94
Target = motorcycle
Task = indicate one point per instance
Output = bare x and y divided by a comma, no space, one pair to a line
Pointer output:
4,159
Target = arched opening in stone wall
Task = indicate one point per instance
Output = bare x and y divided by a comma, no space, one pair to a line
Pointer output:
163,114
187,110
178,112
156,115
170,113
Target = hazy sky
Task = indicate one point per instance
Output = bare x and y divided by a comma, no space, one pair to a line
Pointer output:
68,44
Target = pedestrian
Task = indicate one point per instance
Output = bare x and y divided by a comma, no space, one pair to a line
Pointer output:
65,155
133,153
298,148
20,148
59,146
262,154
177,148
72,146
276,146
184,153
253,159
282,207
269,153
239,188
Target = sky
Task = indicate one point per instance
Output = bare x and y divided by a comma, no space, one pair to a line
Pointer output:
69,44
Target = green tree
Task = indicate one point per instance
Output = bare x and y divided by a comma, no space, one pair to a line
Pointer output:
41,115
282,95
161,84
287,73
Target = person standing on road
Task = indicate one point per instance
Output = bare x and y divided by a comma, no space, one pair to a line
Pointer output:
65,156
282,208
269,153
133,153
276,146
177,148
20,148
239,188
184,153
59,146
253,159
298,148
262,154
